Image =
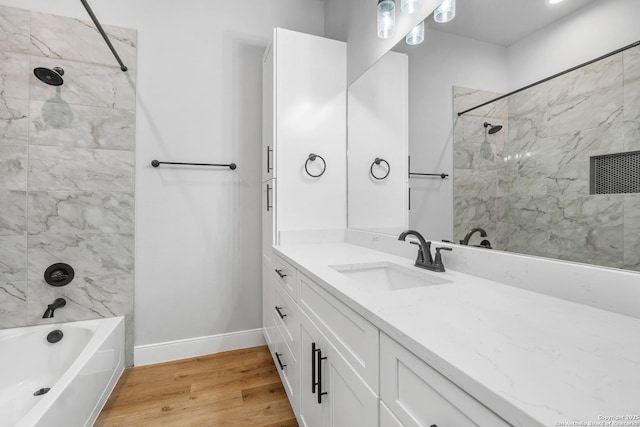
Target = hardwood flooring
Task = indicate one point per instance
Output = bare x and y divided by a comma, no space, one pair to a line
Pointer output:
234,388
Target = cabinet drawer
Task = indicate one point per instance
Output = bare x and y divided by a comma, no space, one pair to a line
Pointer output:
285,316
287,365
285,275
354,337
420,396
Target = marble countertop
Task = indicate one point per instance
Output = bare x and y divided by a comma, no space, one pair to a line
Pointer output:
534,359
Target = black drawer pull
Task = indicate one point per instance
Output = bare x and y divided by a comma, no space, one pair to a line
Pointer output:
313,367
280,273
320,392
280,361
282,316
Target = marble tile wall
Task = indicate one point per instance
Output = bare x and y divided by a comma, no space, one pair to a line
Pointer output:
553,129
66,170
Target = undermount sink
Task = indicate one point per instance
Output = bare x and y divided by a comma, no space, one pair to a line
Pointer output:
387,276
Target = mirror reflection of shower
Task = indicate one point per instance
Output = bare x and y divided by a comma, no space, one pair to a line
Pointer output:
55,112
492,128
49,76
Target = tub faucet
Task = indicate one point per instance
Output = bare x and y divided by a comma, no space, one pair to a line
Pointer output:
424,259
59,302
471,232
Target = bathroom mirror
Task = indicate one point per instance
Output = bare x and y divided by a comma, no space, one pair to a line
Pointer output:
527,184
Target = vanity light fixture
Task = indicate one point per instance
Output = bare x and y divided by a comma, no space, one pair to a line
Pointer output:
410,6
445,12
415,36
386,18
554,1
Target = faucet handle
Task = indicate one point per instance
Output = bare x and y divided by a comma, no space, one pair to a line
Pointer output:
437,263
420,257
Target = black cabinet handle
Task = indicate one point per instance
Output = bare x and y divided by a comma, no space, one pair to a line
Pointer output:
320,392
313,367
280,361
269,207
280,273
282,316
269,151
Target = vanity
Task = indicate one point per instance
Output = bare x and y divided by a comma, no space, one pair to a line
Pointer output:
449,350
505,336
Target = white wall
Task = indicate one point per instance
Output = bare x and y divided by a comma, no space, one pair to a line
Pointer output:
198,268
592,31
435,66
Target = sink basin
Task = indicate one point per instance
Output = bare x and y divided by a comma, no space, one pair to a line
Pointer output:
387,276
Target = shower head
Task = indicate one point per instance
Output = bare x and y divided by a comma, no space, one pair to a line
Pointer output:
51,77
492,129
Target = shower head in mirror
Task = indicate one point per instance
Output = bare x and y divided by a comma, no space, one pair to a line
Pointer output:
492,128
49,76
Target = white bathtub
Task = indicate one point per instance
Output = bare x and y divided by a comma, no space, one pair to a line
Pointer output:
81,370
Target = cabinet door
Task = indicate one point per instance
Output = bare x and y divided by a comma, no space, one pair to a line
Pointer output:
420,396
268,218
312,413
268,100
351,402
387,419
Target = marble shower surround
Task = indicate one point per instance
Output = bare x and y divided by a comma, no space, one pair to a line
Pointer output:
67,157
532,192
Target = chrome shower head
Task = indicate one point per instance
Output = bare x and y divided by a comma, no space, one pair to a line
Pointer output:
492,129
51,77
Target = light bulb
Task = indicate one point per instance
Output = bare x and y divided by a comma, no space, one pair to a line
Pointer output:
410,6
415,36
386,18
445,12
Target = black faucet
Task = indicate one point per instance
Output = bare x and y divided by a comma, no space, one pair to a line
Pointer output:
424,259
59,302
471,232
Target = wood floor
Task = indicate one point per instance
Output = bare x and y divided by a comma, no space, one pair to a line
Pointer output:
235,388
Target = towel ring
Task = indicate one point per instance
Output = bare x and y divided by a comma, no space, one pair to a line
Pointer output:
312,158
377,161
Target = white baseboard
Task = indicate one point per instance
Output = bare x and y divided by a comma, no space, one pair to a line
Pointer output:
199,346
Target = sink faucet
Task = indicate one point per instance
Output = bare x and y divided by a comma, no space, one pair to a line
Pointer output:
471,232
59,302
424,259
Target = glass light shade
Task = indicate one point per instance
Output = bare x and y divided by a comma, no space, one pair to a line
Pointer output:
410,6
415,36
445,12
386,18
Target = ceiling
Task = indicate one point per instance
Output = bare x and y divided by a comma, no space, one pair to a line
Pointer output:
504,22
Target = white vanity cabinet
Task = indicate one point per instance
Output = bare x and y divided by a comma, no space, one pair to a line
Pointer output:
342,371
419,396
321,349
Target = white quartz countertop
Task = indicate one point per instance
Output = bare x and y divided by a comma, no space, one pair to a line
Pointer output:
533,359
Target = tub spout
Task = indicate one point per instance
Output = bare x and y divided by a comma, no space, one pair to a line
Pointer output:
59,302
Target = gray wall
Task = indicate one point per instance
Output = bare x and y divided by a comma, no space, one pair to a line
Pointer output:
66,170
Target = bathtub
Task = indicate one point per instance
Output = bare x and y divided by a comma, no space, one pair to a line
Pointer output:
81,370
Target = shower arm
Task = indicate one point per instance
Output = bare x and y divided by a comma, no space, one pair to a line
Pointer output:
600,58
104,35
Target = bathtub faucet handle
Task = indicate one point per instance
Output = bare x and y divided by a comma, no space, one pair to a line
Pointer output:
59,302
